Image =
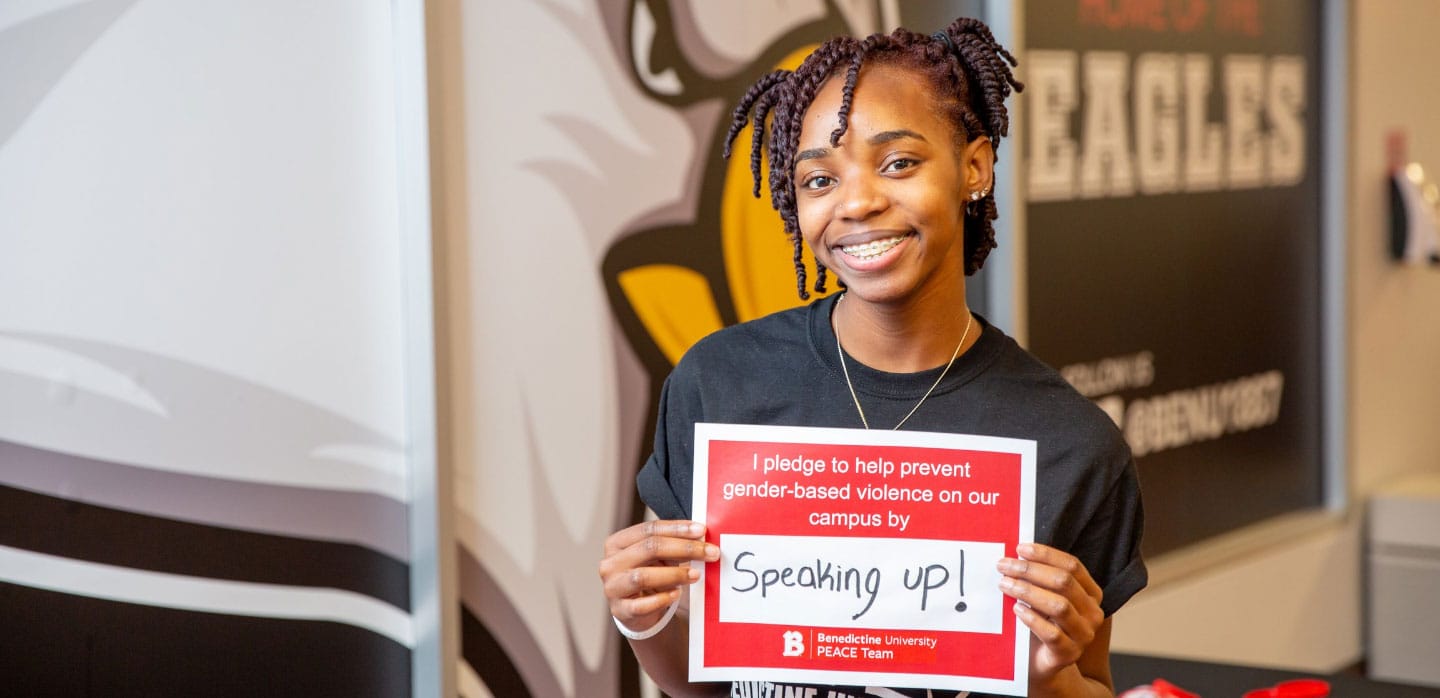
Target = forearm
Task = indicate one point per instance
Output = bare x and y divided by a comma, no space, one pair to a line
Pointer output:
646,573
1071,683
666,658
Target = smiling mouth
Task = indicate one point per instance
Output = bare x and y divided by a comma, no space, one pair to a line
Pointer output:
874,248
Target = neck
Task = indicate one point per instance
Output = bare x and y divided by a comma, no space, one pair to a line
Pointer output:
904,338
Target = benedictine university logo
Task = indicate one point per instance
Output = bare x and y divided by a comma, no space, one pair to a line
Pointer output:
794,644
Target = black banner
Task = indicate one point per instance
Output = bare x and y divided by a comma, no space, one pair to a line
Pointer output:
1173,243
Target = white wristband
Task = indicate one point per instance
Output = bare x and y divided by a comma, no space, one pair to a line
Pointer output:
653,630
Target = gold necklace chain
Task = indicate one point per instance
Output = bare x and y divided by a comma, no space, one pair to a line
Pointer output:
969,318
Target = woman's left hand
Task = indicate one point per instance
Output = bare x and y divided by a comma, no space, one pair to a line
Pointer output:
1058,601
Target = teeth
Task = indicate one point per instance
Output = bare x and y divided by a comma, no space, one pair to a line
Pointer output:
873,249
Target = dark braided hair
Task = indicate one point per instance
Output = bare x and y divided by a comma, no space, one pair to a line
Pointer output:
968,73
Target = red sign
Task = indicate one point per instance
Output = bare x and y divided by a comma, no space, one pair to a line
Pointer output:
860,557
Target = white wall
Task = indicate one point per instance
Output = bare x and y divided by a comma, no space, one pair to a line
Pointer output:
1395,310
202,327
1298,603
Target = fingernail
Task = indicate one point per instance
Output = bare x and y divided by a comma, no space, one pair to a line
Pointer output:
697,529
712,552
1007,583
1025,550
1008,564
694,575
1019,609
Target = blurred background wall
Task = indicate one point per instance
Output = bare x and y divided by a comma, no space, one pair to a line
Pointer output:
204,487
1298,601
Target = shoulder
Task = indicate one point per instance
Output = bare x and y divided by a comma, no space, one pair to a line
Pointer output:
1035,394
1023,375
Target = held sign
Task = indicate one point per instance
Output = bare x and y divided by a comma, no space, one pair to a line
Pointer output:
859,557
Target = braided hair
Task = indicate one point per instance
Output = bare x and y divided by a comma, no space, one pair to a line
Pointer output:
968,73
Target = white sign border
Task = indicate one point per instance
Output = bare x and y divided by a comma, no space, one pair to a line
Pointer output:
706,432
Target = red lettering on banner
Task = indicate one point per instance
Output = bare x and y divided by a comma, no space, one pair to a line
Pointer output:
1188,15
1178,16
1239,17
1124,14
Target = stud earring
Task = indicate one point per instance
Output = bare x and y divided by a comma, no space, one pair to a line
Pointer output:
975,195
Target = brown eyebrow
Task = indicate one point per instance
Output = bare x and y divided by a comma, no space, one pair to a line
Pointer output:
878,139
811,154
895,135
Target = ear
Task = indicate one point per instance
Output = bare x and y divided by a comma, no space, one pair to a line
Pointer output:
977,163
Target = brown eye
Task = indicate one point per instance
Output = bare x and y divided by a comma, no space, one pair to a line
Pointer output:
899,164
817,182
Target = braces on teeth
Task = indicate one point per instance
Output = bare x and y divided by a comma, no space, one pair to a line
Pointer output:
871,250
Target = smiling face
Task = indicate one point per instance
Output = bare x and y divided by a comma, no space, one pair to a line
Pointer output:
885,209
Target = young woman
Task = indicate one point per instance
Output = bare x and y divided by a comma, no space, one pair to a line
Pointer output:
882,157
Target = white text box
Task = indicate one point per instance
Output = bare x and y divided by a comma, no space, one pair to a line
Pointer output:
873,583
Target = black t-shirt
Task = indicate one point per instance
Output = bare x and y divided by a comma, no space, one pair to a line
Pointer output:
784,369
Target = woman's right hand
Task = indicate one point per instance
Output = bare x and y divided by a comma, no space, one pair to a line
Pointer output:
644,569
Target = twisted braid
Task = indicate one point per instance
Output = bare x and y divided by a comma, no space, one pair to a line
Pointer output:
799,259
969,76
759,98
785,136
806,82
990,65
741,114
852,75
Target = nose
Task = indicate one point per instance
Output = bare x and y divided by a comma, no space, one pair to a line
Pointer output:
861,198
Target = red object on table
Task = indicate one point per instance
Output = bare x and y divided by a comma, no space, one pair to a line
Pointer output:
1298,688
1165,689
1160,688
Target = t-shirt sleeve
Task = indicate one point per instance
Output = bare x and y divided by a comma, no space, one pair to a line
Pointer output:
665,480
1109,545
